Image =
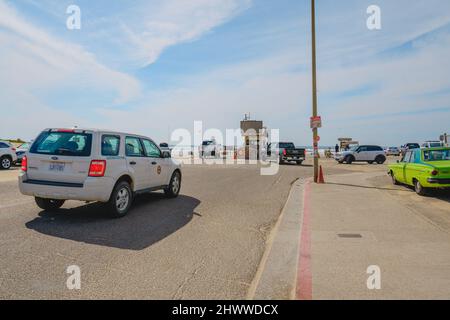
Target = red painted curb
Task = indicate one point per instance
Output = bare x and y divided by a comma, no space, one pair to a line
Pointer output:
304,274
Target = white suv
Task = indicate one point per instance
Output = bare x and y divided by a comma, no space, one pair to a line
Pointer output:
362,153
7,155
96,165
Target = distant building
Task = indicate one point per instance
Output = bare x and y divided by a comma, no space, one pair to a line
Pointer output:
255,137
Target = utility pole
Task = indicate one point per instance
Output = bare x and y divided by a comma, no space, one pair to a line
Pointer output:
314,93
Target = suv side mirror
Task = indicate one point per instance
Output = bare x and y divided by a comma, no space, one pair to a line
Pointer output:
166,154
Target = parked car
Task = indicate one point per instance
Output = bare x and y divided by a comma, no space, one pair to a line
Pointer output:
409,146
287,152
209,148
425,169
362,153
94,165
7,155
21,150
392,151
432,144
165,147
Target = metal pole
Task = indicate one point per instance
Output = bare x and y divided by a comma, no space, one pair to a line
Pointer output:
314,88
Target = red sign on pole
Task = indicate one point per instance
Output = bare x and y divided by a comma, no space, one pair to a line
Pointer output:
316,122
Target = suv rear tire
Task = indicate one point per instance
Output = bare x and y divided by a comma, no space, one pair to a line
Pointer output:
49,204
120,200
5,163
380,159
173,189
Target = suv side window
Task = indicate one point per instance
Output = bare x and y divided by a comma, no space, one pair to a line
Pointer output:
110,145
3,145
363,149
375,148
133,147
151,150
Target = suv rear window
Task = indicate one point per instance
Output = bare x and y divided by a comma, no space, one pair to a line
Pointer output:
63,144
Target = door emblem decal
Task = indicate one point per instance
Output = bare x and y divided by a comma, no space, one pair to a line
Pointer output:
159,169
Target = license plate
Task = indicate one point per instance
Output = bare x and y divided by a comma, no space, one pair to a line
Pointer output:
56,166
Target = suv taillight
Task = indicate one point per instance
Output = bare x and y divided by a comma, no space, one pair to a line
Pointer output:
284,152
97,168
24,165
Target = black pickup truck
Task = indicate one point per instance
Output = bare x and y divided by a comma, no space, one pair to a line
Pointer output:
287,152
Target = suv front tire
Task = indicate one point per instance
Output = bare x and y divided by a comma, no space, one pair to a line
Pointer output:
349,159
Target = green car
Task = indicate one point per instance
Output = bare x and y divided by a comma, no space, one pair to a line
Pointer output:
424,169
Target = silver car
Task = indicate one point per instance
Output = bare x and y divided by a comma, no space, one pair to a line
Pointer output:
96,165
393,151
7,155
363,153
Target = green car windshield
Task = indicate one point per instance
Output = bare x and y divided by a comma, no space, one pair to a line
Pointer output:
436,155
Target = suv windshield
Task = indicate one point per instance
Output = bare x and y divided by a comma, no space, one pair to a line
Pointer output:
63,143
436,155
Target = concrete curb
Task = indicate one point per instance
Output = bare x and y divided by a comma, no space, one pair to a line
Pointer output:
277,273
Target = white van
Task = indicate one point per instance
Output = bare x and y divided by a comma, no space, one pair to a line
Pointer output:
96,165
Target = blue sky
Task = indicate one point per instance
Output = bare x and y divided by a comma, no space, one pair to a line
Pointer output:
154,66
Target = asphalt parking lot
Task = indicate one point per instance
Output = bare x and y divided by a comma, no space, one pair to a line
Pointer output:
206,244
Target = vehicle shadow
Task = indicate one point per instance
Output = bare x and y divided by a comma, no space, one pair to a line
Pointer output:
367,187
296,165
151,219
443,194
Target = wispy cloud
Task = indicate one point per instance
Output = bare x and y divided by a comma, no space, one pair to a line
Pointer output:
159,25
48,60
